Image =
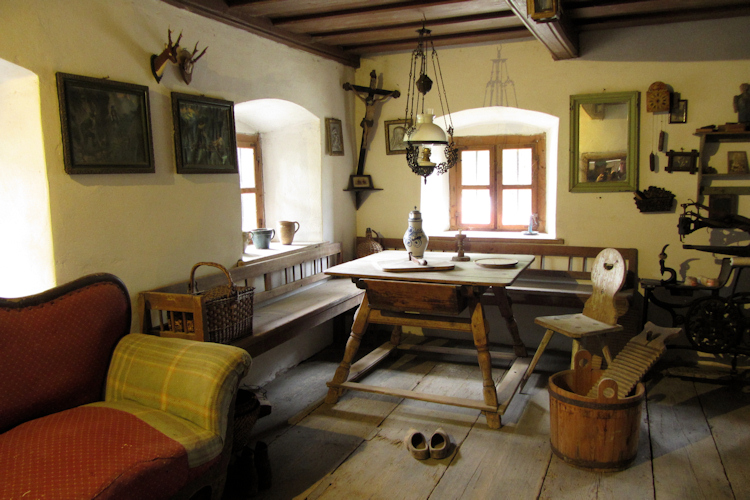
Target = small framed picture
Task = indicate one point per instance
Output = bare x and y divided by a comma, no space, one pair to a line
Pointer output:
682,161
360,182
395,133
106,126
737,162
204,138
542,10
334,137
678,113
721,205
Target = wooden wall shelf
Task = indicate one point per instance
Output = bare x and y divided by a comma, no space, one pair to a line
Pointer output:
713,138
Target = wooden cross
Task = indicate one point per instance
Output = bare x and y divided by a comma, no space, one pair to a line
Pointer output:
369,95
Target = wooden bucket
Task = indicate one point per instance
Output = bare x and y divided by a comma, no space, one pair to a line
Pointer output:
598,434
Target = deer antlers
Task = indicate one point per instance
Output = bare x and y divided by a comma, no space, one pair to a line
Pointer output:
187,60
183,58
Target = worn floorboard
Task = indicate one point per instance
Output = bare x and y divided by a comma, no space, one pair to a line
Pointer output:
686,462
694,438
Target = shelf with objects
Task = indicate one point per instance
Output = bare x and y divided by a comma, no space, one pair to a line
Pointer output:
736,166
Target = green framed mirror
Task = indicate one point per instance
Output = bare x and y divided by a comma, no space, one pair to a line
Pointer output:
604,131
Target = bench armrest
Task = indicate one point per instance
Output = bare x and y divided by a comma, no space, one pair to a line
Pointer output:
193,380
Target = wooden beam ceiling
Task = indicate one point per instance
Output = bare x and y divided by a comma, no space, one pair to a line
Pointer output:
343,30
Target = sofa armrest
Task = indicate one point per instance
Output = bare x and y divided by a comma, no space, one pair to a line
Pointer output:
193,380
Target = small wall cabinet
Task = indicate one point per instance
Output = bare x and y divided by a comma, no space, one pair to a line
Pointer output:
709,146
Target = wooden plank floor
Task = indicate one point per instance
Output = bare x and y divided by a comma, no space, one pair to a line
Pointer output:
694,439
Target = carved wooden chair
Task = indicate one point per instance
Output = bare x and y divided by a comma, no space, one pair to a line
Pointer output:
599,316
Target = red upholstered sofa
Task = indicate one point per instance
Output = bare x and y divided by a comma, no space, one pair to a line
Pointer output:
88,410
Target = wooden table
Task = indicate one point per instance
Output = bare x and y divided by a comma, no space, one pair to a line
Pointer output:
433,299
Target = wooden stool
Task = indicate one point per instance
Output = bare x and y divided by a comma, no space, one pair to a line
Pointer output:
599,314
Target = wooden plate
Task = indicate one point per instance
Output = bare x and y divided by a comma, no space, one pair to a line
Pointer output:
404,266
496,263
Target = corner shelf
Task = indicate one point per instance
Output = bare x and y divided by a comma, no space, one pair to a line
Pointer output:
358,194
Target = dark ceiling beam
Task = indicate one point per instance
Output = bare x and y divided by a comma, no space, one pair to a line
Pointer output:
217,10
560,40
443,41
386,15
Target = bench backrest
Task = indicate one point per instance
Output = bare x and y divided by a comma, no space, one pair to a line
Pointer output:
271,276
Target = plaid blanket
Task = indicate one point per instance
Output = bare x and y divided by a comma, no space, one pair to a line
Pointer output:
194,381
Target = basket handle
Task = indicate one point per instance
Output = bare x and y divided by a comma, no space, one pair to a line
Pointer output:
192,288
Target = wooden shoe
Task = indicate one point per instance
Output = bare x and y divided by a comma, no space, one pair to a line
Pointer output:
417,444
440,444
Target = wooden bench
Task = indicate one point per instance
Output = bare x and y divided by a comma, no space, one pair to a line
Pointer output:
292,295
559,276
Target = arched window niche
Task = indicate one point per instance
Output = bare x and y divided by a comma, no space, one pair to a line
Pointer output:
290,137
26,254
491,121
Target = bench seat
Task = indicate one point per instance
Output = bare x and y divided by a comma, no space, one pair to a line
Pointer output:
282,318
292,295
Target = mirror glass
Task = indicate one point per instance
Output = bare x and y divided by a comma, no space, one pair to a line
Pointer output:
604,142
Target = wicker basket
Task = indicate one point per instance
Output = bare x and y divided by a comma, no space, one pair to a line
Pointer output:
228,308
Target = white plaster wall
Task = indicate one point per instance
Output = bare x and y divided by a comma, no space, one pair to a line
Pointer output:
705,61
25,231
149,229
293,181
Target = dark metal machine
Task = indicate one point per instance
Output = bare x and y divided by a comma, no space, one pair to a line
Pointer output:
692,219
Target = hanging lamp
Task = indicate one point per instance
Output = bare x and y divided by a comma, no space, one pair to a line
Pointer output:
424,135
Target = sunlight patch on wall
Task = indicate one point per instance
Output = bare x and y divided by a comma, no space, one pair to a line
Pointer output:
26,255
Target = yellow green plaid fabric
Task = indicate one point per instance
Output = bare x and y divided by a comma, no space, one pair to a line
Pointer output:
194,381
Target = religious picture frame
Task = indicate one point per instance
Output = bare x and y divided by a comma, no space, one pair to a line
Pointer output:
682,161
395,133
737,162
105,125
360,182
543,10
678,113
334,137
205,141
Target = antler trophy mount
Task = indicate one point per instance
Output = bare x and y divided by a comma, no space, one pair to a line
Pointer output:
171,53
186,60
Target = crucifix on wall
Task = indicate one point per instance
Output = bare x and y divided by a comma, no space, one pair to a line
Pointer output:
370,96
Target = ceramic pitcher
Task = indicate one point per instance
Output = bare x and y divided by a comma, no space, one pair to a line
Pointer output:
262,237
287,230
415,239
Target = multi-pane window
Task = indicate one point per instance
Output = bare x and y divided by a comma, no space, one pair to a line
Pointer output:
498,183
251,182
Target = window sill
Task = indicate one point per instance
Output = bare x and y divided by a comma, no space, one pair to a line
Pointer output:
276,249
509,236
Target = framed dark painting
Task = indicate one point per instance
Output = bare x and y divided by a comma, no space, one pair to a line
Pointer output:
204,138
106,126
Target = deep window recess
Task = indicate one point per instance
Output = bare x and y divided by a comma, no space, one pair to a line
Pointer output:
251,181
498,183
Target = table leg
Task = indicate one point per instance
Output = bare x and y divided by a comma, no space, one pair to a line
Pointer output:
505,309
352,345
479,332
396,335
